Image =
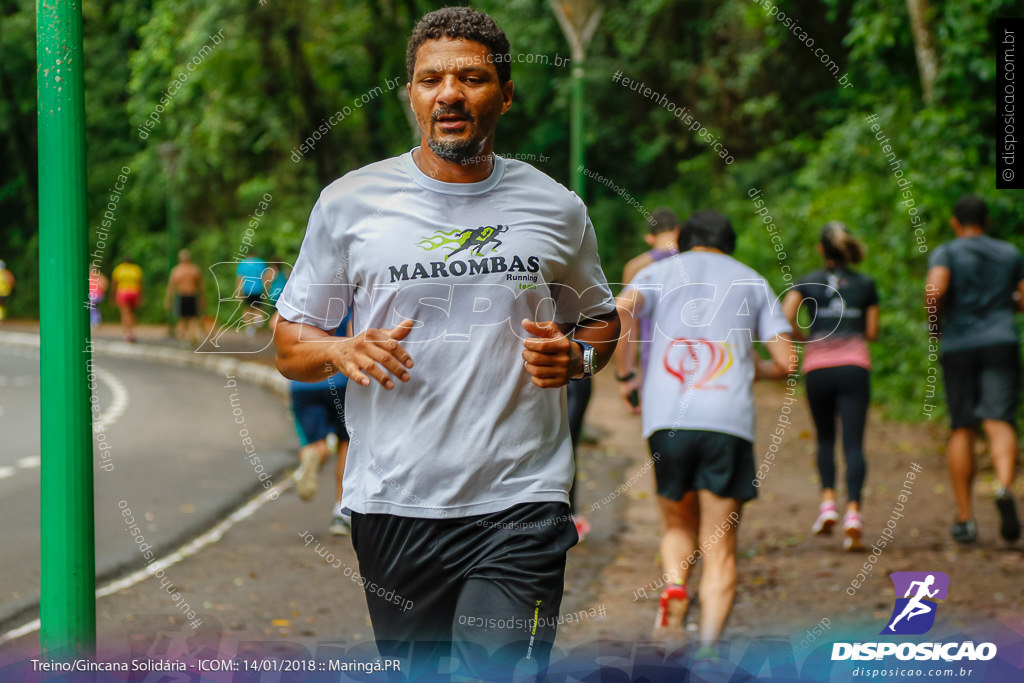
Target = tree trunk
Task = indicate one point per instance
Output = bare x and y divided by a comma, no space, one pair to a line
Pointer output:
924,47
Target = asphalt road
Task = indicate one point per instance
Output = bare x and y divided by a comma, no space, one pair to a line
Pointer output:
278,581
174,457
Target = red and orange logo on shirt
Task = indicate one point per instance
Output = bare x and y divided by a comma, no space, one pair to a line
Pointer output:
697,363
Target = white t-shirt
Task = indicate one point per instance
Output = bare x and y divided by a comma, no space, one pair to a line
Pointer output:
469,433
707,309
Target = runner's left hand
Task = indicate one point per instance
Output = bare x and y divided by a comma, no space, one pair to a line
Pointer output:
550,356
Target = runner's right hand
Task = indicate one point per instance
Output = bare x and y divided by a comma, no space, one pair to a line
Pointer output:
374,353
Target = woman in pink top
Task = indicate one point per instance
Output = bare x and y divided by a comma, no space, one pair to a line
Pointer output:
843,307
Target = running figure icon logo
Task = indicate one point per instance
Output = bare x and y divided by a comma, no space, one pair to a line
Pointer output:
472,239
914,613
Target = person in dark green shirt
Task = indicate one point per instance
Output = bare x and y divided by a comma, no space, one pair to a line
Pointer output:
976,285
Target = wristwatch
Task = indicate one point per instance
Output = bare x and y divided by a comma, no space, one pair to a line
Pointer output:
589,360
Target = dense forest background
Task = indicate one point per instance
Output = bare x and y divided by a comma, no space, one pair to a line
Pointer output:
226,137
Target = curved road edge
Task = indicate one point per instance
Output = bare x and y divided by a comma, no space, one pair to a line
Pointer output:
254,373
21,613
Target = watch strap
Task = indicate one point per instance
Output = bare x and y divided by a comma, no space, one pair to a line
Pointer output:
589,359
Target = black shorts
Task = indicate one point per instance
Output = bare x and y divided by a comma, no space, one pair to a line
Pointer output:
186,306
982,384
691,460
253,300
319,411
485,590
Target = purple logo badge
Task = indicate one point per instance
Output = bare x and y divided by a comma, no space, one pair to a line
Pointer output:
917,596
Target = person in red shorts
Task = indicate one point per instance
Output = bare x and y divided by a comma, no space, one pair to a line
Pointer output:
6,286
127,290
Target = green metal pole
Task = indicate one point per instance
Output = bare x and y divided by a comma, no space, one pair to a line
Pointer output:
67,556
576,150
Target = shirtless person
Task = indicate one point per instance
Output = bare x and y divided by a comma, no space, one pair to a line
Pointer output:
186,287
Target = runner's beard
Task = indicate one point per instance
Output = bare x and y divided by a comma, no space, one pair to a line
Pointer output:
455,151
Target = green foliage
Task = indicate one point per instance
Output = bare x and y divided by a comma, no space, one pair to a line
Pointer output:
281,69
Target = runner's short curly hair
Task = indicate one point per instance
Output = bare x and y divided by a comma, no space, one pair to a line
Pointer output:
461,22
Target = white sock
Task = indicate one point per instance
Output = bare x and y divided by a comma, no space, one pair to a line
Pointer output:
338,507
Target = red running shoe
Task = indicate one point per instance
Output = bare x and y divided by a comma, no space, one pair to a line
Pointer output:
672,607
582,526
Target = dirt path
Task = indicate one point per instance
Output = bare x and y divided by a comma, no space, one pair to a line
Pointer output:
789,579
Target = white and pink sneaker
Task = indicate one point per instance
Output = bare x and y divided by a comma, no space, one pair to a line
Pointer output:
827,518
853,528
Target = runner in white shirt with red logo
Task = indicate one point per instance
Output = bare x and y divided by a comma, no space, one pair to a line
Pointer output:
708,309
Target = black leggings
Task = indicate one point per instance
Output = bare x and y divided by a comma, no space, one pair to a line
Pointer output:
842,392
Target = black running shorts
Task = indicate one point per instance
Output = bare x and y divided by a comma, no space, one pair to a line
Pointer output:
982,384
484,590
186,306
690,460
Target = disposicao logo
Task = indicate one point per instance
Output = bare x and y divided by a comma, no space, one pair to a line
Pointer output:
914,614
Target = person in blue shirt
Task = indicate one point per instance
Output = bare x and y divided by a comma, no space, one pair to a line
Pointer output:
278,280
318,409
254,277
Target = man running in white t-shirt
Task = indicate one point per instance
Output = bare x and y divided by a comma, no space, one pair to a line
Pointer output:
707,309
484,271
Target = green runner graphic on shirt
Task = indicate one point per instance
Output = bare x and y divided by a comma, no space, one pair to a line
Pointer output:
472,239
